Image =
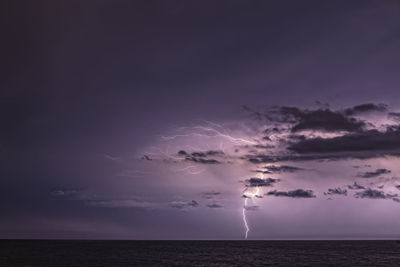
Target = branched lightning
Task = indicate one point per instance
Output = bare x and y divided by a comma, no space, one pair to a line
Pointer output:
227,136
217,135
209,132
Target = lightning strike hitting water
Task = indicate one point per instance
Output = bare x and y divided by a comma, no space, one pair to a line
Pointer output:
246,197
245,219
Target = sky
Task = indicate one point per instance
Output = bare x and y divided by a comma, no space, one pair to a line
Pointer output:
200,119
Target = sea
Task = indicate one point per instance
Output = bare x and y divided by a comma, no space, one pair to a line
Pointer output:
198,253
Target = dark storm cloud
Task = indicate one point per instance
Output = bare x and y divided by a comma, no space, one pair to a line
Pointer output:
193,203
320,119
327,120
262,158
145,157
365,165
273,130
260,182
355,186
199,154
283,168
208,153
336,191
263,172
182,153
357,142
374,173
373,142
374,194
202,154
263,146
203,161
298,193
183,204
394,115
257,159
201,157
214,206
363,108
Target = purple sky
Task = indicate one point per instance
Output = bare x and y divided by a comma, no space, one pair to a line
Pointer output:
192,119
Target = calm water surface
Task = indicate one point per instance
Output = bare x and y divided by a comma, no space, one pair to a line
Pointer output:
198,253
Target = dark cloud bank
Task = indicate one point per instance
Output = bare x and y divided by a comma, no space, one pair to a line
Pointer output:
356,138
376,194
282,168
376,173
298,193
260,182
336,191
202,157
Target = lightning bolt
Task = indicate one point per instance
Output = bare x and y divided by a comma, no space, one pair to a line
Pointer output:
246,225
209,132
248,195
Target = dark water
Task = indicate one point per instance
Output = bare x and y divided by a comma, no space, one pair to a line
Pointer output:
198,253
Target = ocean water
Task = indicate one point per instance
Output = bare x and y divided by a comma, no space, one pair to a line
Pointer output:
198,253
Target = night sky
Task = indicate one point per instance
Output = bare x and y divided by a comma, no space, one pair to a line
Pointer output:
200,119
